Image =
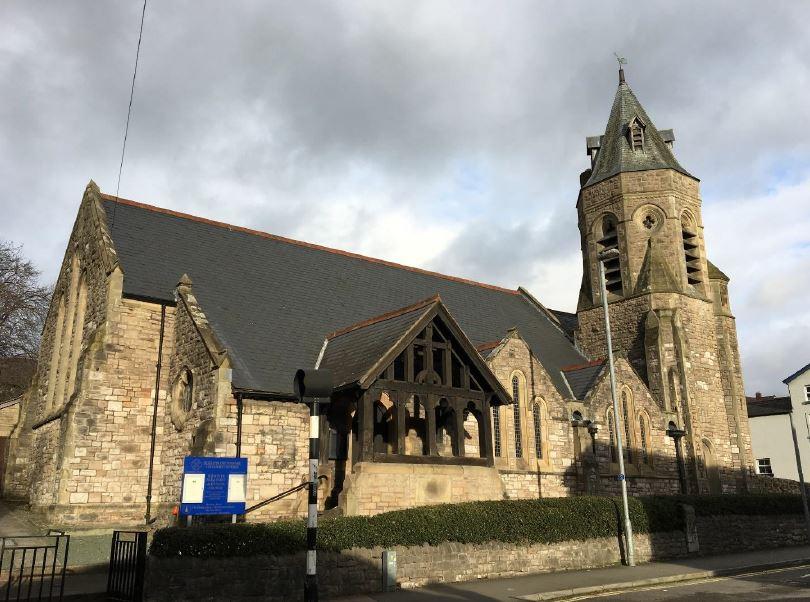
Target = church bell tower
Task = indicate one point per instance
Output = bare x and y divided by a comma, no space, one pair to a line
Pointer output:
668,304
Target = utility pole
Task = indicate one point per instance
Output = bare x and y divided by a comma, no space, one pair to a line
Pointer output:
617,416
799,468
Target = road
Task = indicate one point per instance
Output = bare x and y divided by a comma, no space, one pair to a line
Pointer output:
776,584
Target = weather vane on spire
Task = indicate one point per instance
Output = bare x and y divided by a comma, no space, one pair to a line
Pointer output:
622,61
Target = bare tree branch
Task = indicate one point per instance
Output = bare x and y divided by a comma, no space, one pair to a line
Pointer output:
23,303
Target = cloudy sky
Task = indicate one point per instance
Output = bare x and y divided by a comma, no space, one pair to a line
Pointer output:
446,135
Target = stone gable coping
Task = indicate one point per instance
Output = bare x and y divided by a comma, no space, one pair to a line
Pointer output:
216,350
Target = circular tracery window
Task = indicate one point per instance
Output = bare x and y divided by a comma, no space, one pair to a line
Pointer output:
650,218
182,397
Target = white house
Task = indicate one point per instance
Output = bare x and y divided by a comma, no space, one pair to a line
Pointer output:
771,438
771,441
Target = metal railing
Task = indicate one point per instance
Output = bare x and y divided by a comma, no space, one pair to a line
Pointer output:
283,494
32,567
127,566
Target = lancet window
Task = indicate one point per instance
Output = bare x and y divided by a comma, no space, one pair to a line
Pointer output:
67,338
496,429
644,438
516,414
537,415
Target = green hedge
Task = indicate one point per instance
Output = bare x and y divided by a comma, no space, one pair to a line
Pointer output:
546,520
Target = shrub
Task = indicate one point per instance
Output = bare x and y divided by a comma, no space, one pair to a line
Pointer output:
547,520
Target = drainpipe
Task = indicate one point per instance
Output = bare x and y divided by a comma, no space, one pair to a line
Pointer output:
148,514
238,425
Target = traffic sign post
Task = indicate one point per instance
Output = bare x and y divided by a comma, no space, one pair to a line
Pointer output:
314,385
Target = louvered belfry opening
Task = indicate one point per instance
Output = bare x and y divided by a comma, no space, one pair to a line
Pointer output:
691,251
636,136
610,240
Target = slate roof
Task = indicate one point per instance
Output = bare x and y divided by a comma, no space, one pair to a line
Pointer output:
568,321
272,300
352,352
769,405
615,154
582,377
798,372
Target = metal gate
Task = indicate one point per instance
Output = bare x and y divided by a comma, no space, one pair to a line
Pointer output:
127,566
32,567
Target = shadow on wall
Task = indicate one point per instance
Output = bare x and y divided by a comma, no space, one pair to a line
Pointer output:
651,474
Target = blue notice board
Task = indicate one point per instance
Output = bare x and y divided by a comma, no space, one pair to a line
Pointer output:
213,486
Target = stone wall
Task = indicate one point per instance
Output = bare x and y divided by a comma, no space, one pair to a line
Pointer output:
360,570
275,438
81,451
9,415
106,437
549,471
375,487
678,336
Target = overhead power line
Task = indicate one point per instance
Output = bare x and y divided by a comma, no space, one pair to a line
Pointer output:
131,95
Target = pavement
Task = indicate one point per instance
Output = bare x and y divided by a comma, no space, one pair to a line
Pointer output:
773,584
605,582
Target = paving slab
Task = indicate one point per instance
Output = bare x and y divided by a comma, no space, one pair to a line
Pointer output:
558,585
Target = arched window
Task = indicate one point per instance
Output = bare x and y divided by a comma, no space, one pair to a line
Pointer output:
416,427
537,415
626,413
496,429
66,342
56,346
182,398
76,343
607,237
612,434
644,437
691,249
516,409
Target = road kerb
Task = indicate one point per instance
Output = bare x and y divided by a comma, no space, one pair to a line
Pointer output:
629,585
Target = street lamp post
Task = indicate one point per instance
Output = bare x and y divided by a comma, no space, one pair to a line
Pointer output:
617,416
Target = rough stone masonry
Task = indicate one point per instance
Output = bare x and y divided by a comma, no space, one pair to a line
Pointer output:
449,390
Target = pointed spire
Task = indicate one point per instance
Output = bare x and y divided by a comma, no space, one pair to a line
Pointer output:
656,275
615,152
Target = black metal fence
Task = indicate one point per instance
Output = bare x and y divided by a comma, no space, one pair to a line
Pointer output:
127,566
32,567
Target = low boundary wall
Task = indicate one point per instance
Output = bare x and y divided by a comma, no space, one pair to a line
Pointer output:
355,571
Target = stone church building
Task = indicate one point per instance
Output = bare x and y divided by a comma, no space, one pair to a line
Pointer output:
172,335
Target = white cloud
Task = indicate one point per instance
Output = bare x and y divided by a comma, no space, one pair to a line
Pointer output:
445,135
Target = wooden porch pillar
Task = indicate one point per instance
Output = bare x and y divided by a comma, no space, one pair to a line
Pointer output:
458,410
365,424
400,400
430,419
